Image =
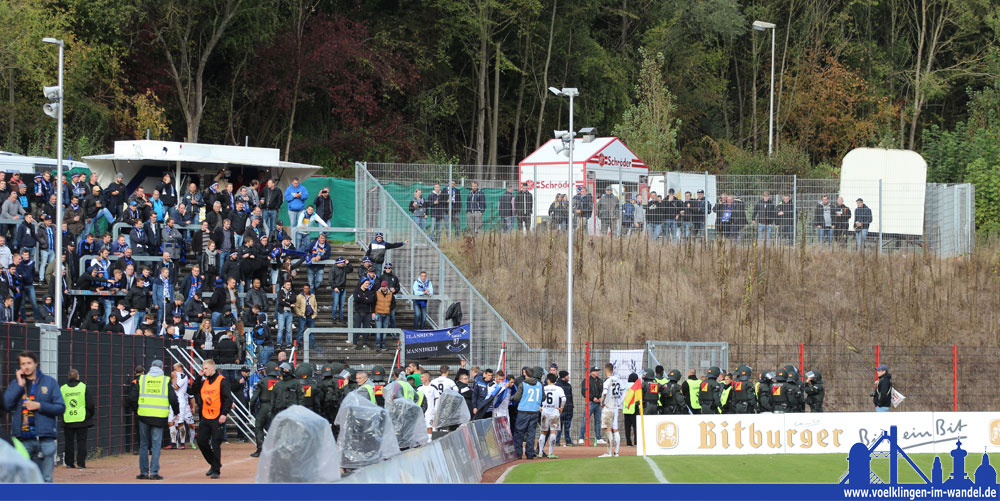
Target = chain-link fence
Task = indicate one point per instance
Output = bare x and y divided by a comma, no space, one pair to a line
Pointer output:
853,215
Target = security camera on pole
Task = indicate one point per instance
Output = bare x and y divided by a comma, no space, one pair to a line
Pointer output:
54,109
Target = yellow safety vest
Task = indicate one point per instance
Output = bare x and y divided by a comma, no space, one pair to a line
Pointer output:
694,386
407,390
154,401
76,408
633,396
19,447
724,399
371,392
756,388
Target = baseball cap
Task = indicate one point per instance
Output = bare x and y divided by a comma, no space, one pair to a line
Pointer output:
882,367
860,200
701,191
594,369
387,265
366,260
340,260
379,234
554,366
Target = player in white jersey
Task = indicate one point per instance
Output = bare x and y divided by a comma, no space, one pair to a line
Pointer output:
443,383
611,403
431,397
553,399
181,422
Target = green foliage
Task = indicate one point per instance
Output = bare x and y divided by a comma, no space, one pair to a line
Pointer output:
985,175
650,125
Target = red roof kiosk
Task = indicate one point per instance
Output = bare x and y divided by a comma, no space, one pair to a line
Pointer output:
598,162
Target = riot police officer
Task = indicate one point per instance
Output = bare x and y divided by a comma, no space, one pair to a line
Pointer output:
763,389
814,391
662,381
796,401
288,391
710,392
672,395
742,396
304,375
329,394
779,395
650,393
263,398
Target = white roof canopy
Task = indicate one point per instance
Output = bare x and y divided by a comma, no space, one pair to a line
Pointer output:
131,156
602,151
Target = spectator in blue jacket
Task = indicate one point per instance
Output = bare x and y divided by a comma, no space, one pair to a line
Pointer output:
481,391
862,219
26,277
475,206
35,404
296,196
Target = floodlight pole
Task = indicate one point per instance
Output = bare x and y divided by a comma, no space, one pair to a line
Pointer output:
59,191
569,239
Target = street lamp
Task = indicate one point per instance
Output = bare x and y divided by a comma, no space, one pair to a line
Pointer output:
55,109
568,137
761,26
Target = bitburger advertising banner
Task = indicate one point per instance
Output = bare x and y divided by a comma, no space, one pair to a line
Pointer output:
815,433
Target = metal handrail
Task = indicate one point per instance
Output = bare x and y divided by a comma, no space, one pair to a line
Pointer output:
242,424
337,330
244,419
442,256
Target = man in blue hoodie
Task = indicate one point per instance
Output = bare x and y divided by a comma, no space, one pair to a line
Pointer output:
296,195
481,392
35,402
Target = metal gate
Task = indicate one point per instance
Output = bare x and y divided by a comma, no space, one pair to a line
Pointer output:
682,355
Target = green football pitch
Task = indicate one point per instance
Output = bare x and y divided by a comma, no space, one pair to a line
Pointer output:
786,468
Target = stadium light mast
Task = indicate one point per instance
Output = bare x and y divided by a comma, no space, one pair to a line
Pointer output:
761,26
568,137
55,109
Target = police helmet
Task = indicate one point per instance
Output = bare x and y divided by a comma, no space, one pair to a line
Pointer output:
304,370
286,367
791,368
674,376
539,372
781,376
271,369
767,376
816,376
335,367
713,372
647,374
793,377
327,372
743,373
378,373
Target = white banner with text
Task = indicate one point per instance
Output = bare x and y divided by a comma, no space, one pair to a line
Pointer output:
809,433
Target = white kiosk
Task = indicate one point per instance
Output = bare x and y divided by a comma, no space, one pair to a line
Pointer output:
598,162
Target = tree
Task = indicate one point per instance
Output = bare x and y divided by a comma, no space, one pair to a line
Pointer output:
188,32
649,127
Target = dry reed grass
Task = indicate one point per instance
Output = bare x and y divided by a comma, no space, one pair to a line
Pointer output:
764,302
633,290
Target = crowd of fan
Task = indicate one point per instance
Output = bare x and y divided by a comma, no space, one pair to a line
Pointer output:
674,218
241,261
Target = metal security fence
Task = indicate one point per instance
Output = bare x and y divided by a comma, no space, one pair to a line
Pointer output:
379,210
106,364
897,215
